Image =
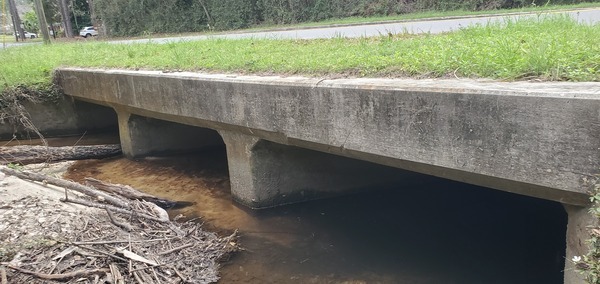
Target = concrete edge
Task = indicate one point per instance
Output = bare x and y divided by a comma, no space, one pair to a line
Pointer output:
577,90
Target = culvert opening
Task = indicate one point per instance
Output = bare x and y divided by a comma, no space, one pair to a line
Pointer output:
63,123
144,136
434,231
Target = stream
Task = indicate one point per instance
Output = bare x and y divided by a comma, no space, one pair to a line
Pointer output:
435,231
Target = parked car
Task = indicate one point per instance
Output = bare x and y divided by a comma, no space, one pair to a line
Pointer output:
88,31
28,35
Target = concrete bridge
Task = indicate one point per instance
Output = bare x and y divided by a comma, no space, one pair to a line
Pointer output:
290,139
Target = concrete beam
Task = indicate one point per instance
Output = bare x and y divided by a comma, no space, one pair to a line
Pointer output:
142,136
536,139
265,174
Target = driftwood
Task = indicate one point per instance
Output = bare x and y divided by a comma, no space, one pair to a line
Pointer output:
117,277
4,279
151,249
40,154
117,201
99,195
132,193
64,276
115,209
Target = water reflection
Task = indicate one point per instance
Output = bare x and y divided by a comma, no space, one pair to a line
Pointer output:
435,232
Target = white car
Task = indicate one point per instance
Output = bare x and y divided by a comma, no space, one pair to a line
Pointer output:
28,35
88,31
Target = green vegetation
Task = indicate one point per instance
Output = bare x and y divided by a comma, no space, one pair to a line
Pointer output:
11,39
436,14
135,18
589,264
30,22
549,48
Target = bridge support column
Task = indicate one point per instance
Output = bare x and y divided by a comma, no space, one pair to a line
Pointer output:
580,221
265,174
141,136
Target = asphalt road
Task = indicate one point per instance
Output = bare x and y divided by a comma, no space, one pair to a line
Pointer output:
367,30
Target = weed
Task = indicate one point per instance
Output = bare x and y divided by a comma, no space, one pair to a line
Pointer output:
17,167
589,264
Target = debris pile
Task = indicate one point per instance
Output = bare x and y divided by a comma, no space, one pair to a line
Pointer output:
110,240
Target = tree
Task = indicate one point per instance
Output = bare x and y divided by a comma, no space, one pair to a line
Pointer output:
80,14
14,14
66,17
93,17
39,10
30,22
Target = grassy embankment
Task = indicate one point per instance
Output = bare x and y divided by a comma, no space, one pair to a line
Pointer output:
554,48
11,39
435,15
421,15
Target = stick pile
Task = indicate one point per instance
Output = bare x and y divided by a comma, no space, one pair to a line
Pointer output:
133,242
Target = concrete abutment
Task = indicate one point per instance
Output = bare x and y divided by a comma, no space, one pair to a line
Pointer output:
578,233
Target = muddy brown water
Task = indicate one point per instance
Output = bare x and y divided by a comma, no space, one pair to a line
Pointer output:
432,232
436,232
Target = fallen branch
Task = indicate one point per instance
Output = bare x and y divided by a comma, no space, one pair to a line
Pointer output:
62,276
28,154
113,220
118,204
116,274
129,192
97,250
121,241
66,184
113,208
136,257
148,253
3,275
176,249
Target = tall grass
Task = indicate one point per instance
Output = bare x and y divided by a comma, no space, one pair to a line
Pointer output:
435,14
545,48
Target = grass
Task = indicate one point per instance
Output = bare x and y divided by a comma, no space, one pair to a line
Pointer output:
548,48
404,17
432,14
11,39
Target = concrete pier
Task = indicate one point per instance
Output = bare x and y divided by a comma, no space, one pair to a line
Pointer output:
266,174
580,222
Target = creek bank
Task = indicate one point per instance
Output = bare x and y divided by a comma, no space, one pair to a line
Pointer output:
44,239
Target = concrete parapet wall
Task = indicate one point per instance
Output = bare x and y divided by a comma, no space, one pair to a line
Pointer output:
536,139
